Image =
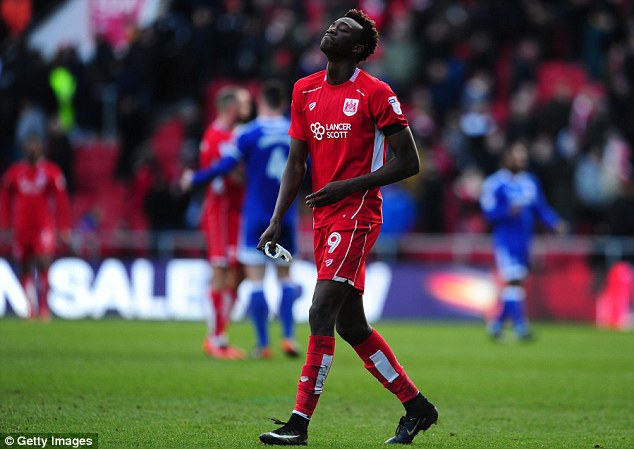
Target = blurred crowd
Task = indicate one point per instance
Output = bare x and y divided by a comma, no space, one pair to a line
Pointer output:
473,77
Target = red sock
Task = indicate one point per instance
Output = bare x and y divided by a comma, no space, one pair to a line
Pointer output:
231,295
43,293
218,302
29,288
379,359
321,350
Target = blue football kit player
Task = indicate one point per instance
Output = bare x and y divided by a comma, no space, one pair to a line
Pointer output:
512,199
263,145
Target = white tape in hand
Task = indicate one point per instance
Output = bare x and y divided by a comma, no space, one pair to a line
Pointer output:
280,251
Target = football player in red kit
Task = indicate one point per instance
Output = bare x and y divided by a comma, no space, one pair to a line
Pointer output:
221,218
35,207
343,118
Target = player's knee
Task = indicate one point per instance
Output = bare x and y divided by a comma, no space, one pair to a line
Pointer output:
353,334
321,319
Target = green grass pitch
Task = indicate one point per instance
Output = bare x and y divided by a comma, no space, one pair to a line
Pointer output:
148,385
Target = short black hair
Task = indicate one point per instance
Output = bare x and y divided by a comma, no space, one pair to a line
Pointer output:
369,36
274,93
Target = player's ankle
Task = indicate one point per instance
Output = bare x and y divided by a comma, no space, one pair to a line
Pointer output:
298,422
417,405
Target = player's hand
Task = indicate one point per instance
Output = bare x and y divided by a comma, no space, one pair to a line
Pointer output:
562,228
270,234
186,180
329,194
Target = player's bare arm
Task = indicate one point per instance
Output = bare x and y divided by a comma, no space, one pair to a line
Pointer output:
404,164
292,179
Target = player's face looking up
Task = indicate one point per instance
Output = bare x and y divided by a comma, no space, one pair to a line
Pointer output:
342,38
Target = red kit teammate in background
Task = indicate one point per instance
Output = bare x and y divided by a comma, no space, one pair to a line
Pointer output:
221,218
35,205
342,118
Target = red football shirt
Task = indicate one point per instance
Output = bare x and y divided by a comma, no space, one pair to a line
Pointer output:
342,125
223,194
223,202
28,194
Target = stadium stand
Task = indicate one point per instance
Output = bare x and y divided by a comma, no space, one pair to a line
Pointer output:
480,74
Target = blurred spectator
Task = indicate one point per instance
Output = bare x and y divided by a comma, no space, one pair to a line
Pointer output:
445,79
593,188
620,215
556,174
399,211
133,124
31,121
60,151
235,44
553,116
163,202
401,53
64,85
525,63
476,124
201,51
521,123
599,29
67,83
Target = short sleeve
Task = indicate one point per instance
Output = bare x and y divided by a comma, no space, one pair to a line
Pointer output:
385,107
297,129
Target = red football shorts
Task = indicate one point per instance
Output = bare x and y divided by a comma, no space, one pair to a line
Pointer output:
221,228
341,250
34,241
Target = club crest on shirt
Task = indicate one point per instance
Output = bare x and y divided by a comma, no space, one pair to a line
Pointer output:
350,106
396,105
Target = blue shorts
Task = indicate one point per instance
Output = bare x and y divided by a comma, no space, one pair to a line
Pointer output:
512,262
250,233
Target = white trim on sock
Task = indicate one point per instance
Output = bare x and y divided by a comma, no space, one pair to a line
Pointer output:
383,366
324,368
301,414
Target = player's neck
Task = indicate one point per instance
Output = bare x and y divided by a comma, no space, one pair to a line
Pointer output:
271,115
265,111
338,72
224,122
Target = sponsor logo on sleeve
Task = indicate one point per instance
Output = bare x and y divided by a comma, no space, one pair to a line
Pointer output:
396,105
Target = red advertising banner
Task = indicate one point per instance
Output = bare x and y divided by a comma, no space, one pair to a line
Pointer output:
560,289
